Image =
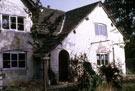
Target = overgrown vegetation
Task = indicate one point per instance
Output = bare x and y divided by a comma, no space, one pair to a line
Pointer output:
43,38
83,74
112,74
34,85
130,66
123,11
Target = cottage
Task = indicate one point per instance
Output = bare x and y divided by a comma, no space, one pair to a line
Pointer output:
89,29
15,53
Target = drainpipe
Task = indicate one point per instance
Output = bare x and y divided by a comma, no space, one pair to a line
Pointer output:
113,56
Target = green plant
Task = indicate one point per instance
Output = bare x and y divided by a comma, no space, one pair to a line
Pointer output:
52,77
83,74
128,86
112,74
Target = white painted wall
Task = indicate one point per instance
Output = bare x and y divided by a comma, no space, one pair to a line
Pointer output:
85,35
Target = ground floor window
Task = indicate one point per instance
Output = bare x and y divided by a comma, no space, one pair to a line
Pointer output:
102,59
14,59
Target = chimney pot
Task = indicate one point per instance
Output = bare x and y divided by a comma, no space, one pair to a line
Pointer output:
48,6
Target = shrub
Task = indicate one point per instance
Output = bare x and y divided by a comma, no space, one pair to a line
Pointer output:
112,74
83,74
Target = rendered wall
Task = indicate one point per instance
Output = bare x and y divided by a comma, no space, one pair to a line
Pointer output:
83,41
13,40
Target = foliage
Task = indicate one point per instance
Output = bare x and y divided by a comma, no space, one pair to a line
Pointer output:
112,74
123,11
42,32
130,86
106,87
52,77
44,43
83,74
34,85
130,65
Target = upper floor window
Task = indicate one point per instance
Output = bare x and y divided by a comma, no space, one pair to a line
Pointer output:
100,29
13,22
14,59
102,59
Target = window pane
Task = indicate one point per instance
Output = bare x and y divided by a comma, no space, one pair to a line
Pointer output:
100,29
5,22
102,59
21,60
106,56
98,59
14,60
20,27
20,23
13,22
96,29
21,20
6,56
6,60
13,19
106,62
104,30
106,59
103,62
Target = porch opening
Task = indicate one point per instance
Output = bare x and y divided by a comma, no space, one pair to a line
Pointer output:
63,65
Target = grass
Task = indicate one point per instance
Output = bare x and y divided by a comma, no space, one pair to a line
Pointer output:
130,72
130,86
127,86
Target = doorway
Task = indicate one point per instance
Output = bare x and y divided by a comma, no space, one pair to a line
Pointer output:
63,65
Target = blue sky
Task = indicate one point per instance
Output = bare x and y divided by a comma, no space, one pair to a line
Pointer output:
66,5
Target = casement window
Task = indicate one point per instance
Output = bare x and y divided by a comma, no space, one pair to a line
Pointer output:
102,59
14,59
13,22
100,29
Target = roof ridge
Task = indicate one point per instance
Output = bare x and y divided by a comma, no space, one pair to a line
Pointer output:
84,6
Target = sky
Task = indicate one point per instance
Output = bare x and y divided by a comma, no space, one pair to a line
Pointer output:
66,5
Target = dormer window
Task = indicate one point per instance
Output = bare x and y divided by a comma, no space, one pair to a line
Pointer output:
13,22
100,29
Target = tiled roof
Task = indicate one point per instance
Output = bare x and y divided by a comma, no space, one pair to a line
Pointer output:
72,19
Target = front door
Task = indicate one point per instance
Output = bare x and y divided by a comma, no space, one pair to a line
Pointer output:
63,65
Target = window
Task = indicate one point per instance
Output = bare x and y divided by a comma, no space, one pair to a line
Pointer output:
100,29
20,21
13,22
5,22
14,60
102,59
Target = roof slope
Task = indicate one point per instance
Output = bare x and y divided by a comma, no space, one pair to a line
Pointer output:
74,17
45,12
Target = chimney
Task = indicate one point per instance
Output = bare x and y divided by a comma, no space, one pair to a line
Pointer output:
48,6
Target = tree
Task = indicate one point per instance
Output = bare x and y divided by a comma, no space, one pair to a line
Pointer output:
123,11
43,36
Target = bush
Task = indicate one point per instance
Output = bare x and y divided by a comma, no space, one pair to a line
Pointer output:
83,74
112,75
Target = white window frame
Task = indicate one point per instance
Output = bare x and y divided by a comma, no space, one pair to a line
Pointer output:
100,33
1,16
101,64
15,52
